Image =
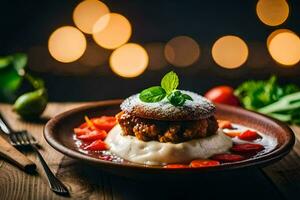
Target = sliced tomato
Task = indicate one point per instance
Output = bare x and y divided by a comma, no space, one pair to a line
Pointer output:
81,131
97,145
247,148
93,135
104,123
176,166
227,157
232,133
249,135
225,124
204,163
83,125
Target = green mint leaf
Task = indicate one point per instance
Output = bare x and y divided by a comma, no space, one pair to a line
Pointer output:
170,82
176,98
187,97
152,94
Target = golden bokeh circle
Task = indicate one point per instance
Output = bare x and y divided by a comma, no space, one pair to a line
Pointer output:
129,60
230,52
67,44
87,13
284,47
112,31
272,12
274,33
182,51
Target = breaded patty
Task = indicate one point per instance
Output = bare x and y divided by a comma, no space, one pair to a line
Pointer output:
166,131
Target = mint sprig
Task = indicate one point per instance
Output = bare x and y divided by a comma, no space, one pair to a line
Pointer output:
169,84
153,94
177,98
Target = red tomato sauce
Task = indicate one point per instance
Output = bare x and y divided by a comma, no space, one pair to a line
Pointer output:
247,143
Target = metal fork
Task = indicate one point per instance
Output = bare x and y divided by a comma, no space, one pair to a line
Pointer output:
24,139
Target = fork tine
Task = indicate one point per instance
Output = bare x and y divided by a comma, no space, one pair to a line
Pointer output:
25,137
14,139
20,138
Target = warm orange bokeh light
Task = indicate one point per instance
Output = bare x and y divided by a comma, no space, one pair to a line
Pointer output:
182,51
272,12
67,44
274,33
156,55
87,13
111,31
129,60
284,47
230,52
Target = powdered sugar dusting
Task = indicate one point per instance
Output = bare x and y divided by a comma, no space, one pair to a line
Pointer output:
199,108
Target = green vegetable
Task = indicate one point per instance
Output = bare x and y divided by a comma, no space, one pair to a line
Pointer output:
169,84
32,104
11,75
286,109
153,94
286,103
268,97
36,83
256,94
4,62
177,98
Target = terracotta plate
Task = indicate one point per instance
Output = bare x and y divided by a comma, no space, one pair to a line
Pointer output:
59,132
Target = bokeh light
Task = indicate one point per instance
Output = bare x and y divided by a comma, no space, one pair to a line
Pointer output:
67,44
182,51
284,47
129,60
156,55
111,31
87,13
274,33
230,52
272,12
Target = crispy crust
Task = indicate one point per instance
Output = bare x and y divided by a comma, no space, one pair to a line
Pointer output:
166,131
199,108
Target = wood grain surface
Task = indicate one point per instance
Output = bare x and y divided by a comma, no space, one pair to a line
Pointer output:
278,181
13,155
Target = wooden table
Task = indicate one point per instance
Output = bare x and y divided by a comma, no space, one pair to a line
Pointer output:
278,181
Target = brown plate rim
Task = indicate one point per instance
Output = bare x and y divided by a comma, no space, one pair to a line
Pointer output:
267,158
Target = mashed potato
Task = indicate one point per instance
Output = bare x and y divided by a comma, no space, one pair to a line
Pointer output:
156,153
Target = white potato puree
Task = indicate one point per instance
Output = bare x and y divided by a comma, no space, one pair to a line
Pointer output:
157,153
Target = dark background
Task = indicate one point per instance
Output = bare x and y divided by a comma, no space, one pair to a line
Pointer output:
27,25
